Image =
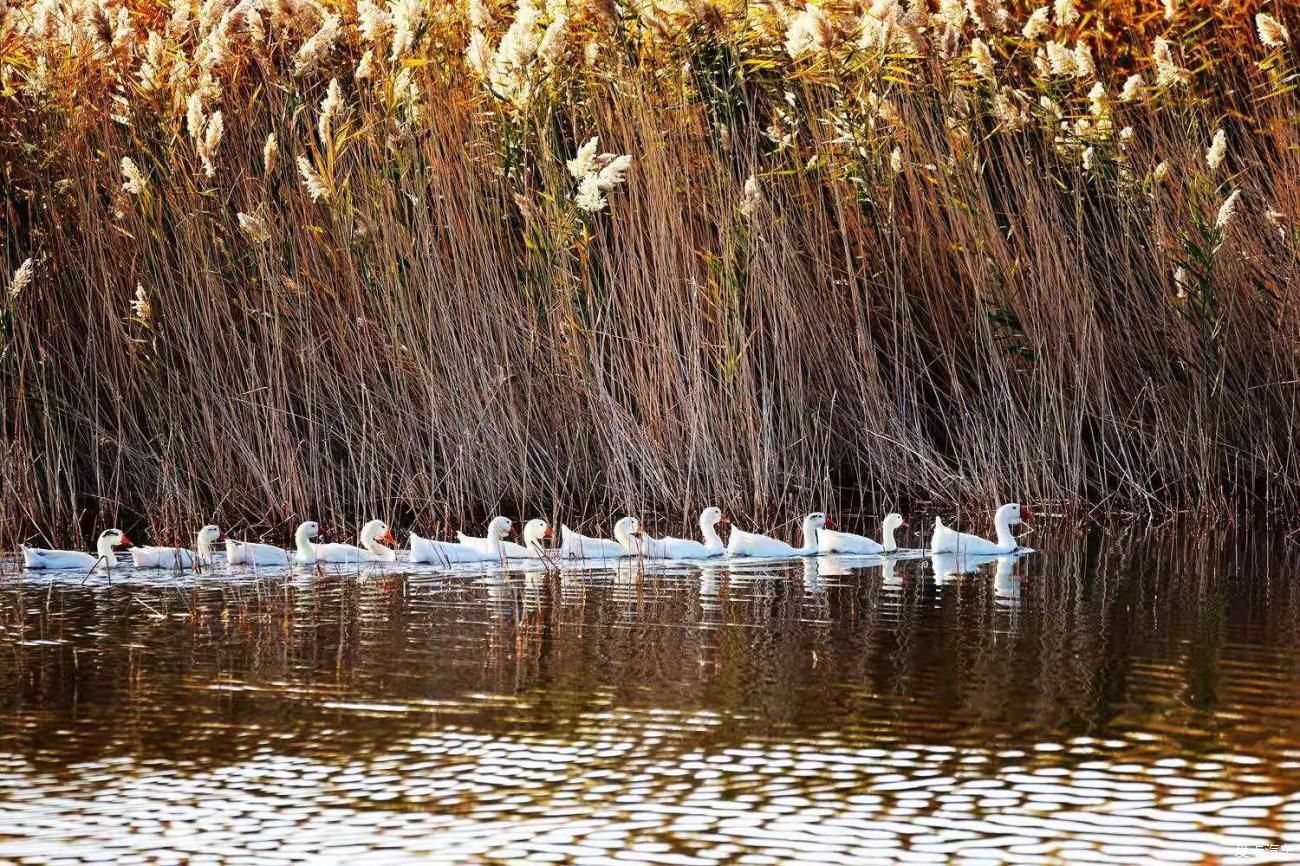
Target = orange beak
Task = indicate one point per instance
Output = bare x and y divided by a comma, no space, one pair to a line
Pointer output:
221,536
904,525
724,519
126,542
549,533
1026,515
830,524
388,538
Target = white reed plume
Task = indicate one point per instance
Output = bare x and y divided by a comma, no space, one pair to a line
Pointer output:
1160,172
211,139
589,197
981,60
807,32
318,46
752,198
195,120
551,48
329,107
896,160
1168,72
480,17
365,66
1271,31
988,15
1097,99
1217,151
1038,24
1171,9
314,183
140,306
1061,58
22,277
255,227
373,21
1083,65
583,162
882,30
270,153
407,17
479,54
1088,157
151,75
1182,282
136,182
1227,211
1067,14
952,13
1134,89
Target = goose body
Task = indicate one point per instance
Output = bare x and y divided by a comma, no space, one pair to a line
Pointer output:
374,536
948,540
179,557
689,548
428,550
44,558
254,553
830,541
753,544
536,531
575,545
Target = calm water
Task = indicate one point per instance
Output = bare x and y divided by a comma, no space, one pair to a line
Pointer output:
1119,697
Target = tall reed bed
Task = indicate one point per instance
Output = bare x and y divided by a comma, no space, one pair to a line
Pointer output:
284,257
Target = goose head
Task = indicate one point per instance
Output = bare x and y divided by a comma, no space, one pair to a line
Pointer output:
814,523
500,528
108,539
892,523
306,531
711,517
376,532
1011,514
627,529
536,531
114,538
210,534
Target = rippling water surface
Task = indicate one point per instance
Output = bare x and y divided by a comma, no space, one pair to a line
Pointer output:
1119,697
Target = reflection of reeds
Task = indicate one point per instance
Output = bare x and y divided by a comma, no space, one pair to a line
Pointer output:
281,260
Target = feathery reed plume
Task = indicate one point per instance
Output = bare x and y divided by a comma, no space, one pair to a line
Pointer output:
135,182
1134,89
1168,72
981,60
807,32
255,227
1067,13
752,198
1227,211
270,153
22,277
1217,151
141,308
1038,25
312,181
1271,32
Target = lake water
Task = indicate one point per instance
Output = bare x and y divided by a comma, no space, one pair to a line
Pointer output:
1120,697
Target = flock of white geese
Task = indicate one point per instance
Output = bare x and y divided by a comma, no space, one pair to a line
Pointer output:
377,544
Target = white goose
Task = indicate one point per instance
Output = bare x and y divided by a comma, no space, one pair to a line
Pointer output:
428,550
947,540
255,553
179,557
627,542
536,531
752,544
304,552
830,541
689,548
40,557
374,535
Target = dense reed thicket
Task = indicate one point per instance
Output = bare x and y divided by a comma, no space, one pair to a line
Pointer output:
284,257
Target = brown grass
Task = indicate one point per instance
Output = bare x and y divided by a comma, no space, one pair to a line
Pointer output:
450,335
